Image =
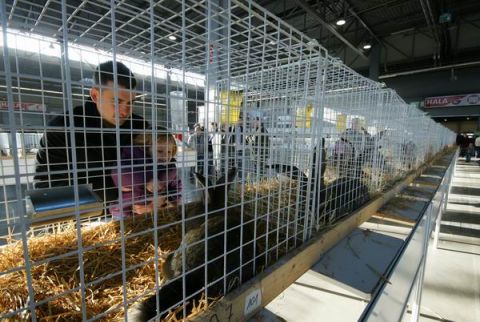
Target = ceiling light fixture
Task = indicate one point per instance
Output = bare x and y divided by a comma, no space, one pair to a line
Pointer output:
172,37
367,46
341,22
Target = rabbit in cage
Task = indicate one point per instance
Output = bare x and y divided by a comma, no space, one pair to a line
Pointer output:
347,192
317,183
344,195
225,253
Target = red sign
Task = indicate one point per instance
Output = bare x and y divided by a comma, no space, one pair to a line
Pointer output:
30,107
453,100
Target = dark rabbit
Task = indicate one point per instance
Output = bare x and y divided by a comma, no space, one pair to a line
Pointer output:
338,198
226,256
348,192
343,196
317,184
215,198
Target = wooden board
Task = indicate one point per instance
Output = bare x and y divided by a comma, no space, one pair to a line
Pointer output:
391,218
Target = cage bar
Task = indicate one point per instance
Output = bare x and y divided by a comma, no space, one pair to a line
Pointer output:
274,141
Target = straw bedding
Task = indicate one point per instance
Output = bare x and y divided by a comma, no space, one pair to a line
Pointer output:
55,262
102,258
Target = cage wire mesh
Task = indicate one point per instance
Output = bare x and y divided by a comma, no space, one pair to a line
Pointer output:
241,139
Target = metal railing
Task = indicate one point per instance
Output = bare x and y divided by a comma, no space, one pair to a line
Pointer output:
406,275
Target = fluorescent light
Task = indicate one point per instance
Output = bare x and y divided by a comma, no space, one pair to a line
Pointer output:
273,42
367,46
341,22
172,37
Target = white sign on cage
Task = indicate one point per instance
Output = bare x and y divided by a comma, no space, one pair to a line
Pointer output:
178,113
206,115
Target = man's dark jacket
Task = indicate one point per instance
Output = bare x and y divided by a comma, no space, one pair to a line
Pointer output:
96,150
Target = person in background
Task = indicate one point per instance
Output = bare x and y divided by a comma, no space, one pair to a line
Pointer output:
196,141
223,162
260,146
459,139
462,142
235,143
215,139
213,127
94,137
137,174
477,146
343,157
470,152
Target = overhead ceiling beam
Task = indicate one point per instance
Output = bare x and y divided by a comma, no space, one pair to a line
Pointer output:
396,49
40,16
427,11
431,69
360,20
10,16
389,4
309,10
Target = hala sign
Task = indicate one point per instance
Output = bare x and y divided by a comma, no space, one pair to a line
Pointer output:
453,100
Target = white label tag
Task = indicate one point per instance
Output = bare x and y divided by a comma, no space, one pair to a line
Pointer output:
252,301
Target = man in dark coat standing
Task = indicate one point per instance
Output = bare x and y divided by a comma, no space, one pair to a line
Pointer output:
95,135
261,146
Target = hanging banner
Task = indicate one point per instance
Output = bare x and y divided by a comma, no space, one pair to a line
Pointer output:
304,116
341,122
452,100
231,103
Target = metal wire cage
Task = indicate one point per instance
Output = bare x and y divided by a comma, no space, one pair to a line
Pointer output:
237,139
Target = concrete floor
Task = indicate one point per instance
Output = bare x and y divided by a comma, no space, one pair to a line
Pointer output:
451,290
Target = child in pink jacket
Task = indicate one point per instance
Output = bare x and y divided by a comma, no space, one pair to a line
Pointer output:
138,176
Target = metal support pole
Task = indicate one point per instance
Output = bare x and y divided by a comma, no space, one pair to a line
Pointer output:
443,205
439,220
418,293
421,270
374,62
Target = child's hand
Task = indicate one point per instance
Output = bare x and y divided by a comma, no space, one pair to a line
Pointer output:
149,186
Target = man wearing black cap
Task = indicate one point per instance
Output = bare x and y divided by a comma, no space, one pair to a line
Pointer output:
95,141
